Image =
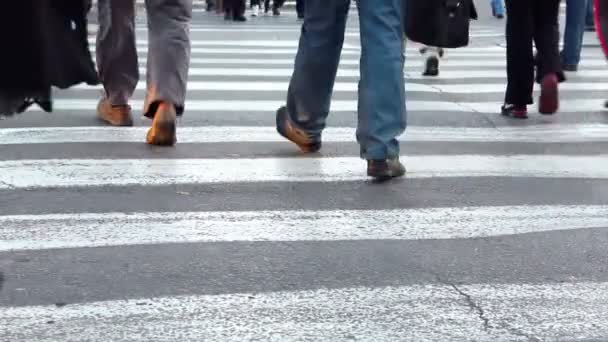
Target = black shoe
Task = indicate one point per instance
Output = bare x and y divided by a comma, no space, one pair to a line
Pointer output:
306,142
431,67
276,11
240,18
570,67
383,170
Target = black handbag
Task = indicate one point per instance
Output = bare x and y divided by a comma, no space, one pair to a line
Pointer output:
439,23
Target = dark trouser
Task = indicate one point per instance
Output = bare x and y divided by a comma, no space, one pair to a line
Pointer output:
235,7
300,7
527,22
275,3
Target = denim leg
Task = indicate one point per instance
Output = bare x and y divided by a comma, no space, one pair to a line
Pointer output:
381,88
576,11
589,19
316,64
497,7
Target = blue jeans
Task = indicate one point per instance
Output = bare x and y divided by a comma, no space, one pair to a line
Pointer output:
589,19
576,12
381,103
497,7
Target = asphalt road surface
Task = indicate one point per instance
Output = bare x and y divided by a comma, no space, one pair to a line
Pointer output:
498,233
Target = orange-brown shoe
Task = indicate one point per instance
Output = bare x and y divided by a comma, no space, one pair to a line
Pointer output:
114,115
163,128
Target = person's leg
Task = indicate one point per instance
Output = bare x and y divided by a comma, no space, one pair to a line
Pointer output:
498,9
520,58
549,71
316,66
589,19
117,60
381,108
300,5
168,63
573,35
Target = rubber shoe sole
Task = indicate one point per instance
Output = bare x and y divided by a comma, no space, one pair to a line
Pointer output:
384,170
287,130
548,102
163,131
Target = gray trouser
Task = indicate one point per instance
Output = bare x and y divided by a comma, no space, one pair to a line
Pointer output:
168,51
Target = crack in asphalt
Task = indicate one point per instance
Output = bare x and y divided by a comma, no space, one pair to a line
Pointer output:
473,305
481,313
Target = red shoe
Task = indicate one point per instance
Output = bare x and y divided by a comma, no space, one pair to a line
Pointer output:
549,96
517,112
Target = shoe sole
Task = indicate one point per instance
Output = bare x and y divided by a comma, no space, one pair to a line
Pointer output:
510,115
385,176
548,101
282,122
163,134
123,123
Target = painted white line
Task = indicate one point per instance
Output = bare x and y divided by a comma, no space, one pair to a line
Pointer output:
281,87
411,51
261,86
570,106
411,61
493,73
430,312
117,229
467,88
147,172
239,134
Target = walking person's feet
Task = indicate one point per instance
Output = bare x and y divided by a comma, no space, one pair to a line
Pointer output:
163,130
114,115
239,18
255,11
383,170
306,142
517,112
548,102
276,11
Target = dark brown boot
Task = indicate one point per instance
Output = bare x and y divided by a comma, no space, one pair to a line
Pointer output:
114,115
163,131
383,170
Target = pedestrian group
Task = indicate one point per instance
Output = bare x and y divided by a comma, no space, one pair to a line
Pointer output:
437,24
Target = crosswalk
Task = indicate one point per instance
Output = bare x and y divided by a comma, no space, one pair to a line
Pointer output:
498,232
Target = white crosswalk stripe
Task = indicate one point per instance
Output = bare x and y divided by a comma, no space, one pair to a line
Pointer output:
411,261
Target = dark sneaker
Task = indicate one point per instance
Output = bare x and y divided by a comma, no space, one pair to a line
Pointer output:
162,132
570,67
431,67
239,18
114,115
549,96
518,112
306,142
383,170
276,11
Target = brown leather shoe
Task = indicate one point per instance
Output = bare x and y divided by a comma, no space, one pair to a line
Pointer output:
163,128
114,115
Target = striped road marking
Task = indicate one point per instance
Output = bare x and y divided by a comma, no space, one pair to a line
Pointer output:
571,106
31,232
148,172
239,134
281,86
432,312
